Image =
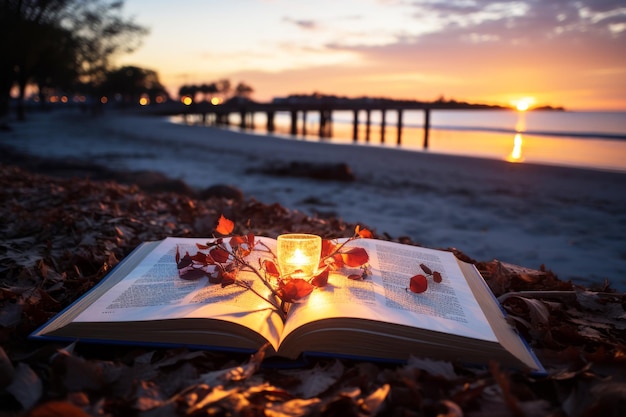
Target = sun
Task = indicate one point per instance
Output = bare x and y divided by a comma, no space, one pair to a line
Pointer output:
523,103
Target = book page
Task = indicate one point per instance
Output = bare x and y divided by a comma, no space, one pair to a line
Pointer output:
154,291
448,307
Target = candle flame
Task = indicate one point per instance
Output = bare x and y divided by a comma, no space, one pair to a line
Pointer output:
298,258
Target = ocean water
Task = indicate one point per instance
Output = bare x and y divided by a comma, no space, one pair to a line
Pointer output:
595,140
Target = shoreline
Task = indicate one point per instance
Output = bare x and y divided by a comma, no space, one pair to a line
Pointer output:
573,220
597,151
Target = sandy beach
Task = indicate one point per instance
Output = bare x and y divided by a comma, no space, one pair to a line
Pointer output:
573,221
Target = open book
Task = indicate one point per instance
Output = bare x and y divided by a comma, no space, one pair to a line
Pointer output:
143,301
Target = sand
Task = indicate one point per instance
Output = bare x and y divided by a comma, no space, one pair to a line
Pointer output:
573,221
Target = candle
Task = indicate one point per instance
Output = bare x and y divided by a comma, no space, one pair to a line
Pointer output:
299,254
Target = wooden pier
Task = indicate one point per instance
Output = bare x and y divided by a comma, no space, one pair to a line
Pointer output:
219,115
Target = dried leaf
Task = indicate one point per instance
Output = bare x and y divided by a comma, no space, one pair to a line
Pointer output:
26,386
219,255
328,247
191,274
373,402
185,261
10,314
57,408
363,233
442,369
224,226
355,257
294,289
238,373
270,268
321,279
316,380
6,369
238,240
293,408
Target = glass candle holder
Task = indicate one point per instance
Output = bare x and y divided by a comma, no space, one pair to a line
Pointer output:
299,254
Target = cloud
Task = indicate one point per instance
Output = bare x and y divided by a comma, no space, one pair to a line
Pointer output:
302,23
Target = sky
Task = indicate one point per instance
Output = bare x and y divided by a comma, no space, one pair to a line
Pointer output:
555,52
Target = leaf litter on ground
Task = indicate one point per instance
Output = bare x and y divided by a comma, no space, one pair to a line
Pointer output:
60,237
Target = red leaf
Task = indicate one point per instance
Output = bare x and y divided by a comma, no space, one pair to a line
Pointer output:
219,255
363,233
228,278
238,240
184,262
327,248
355,257
201,246
177,255
426,269
321,279
437,277
294,289
271,268
215,279
355,277
191,274
418,284
224,226
201,258
336,262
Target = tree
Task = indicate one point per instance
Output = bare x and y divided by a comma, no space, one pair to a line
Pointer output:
208,90
243,90
58,66
131,83
223,87
90,33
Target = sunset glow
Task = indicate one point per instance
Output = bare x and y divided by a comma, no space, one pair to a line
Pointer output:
524,104
559,53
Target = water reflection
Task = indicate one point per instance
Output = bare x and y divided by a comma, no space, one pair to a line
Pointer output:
516,153
520,127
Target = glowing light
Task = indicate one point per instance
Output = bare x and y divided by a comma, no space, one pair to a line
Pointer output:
299,254
186,100
524,103
215,101
104,100
144,101
516,153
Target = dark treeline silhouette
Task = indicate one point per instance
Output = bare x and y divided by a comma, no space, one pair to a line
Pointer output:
376,101
60,45
127,85
222,90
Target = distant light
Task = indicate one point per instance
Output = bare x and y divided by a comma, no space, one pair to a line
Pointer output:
64,99
524,104
104,100
215,101
186,100
160,99
144,101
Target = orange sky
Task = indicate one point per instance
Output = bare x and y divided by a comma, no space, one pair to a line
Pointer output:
559,52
